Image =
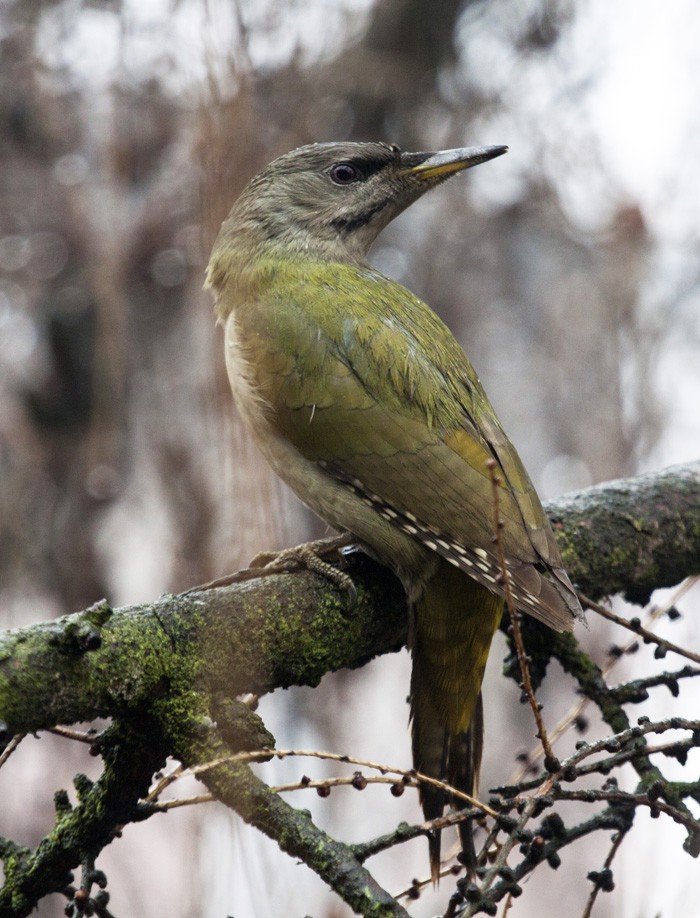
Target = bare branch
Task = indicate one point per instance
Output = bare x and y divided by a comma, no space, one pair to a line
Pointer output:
148,666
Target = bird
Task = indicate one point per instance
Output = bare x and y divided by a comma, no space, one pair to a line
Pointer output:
363,402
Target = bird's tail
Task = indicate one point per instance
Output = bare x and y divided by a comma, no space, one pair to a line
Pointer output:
454,621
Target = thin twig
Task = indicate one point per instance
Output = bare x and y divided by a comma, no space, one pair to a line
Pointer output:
10,748
603,766
358,781
578,709
512,839
551,762
259,754
617,841
548,787
165,805
165,781
654,612
618,796
79,736
639,629
618,740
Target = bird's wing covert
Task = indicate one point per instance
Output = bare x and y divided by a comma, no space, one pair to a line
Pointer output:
374,387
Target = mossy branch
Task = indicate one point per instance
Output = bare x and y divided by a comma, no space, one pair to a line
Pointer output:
633,535
291,629
234,784
131,753
175,663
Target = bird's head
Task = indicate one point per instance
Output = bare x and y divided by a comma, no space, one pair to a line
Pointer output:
331,200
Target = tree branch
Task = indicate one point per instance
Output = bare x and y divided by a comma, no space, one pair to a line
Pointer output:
291,629
131,755
175,665
633,535
234,784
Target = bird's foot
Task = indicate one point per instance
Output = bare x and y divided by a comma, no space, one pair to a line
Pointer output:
310,556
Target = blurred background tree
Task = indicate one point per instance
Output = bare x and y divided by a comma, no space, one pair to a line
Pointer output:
569,273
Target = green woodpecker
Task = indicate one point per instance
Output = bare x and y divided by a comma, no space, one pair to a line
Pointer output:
361,399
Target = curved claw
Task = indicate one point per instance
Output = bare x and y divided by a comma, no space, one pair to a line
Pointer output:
307,556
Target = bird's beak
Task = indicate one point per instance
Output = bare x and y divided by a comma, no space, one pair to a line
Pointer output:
426,166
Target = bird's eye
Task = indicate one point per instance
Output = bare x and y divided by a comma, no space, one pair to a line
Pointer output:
345,174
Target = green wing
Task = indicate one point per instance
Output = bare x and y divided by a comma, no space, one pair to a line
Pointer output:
364,379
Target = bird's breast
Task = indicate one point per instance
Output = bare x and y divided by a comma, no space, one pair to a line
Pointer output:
258,382
258,388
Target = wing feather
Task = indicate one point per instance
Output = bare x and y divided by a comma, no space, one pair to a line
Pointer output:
380,394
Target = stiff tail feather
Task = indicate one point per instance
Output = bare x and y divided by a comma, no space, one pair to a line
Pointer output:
461,762
454,621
